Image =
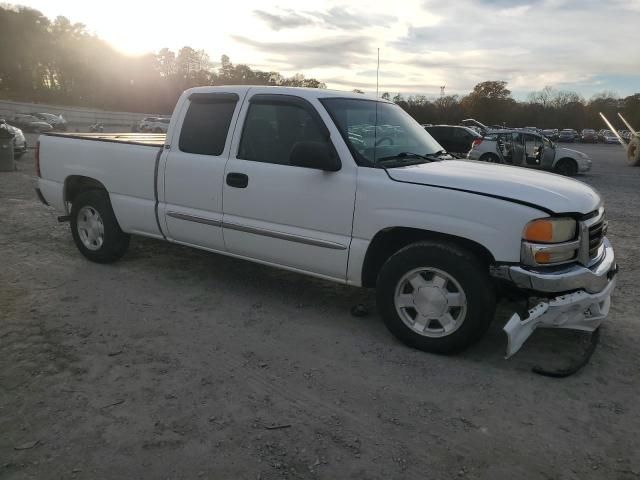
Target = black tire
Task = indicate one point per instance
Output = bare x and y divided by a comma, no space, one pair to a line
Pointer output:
567,167
466,268
633,152
489,158
114,243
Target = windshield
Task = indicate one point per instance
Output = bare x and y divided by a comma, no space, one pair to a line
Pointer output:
379,130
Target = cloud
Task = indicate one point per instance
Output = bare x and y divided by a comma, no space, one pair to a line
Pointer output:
343,51
335,18
344,19
428,43
288,19
384,86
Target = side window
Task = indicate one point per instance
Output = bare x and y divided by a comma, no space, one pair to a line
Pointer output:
460,134
205,127
272,129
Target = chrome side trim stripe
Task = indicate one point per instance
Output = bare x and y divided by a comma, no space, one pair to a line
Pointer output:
260,231
285,236
193,218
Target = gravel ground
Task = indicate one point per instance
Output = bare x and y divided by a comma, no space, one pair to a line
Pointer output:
175,363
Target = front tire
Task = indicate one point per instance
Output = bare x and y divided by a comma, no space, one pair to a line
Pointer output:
435,297
566,167
95,228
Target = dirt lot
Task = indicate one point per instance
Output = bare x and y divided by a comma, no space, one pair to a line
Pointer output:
175,363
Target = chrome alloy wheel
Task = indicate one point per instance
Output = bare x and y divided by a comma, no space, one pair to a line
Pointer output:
90,228
430,302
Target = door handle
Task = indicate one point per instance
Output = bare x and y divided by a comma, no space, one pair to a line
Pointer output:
237,180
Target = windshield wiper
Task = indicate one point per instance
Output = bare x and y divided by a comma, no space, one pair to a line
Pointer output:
403,159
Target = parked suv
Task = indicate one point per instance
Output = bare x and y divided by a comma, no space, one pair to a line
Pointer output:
589,135
454,139
528,149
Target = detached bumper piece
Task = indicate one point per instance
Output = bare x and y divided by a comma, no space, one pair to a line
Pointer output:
41,197
577,311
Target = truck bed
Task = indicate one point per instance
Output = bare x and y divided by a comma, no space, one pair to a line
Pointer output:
150,139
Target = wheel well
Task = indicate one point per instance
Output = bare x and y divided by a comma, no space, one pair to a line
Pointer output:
388,241
76,184
489,155
567,159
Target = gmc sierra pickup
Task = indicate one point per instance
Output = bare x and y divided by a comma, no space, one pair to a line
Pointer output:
349,189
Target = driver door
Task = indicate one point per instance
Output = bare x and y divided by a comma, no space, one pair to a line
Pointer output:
280,214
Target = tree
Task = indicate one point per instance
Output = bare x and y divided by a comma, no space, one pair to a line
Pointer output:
386,96
491,89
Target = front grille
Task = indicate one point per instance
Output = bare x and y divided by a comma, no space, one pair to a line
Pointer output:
597,231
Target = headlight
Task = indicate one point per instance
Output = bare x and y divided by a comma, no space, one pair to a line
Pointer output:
549,241
550,230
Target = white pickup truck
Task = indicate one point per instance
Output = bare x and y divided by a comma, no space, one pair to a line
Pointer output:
308,180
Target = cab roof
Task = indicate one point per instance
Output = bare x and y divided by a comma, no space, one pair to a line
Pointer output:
317,93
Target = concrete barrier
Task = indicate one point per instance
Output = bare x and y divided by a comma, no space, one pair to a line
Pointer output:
73,115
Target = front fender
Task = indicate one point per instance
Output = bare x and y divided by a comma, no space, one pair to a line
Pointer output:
493,223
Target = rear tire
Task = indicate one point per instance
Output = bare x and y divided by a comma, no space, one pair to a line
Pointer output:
435,297
566,167
489,158
95,228
633,152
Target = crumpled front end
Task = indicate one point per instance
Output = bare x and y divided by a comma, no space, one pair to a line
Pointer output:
574,295
577,311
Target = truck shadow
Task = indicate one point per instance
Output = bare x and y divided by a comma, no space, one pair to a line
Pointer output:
331,304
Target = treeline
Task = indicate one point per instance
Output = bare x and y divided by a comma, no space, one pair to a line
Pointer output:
56,61
492,104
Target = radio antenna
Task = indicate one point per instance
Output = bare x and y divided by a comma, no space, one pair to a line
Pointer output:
375,126
378,75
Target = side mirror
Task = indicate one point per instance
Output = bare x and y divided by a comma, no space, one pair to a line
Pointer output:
316,155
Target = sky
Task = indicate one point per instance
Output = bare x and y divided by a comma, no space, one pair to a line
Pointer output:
586,46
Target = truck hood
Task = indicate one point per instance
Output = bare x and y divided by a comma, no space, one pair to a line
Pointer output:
550,192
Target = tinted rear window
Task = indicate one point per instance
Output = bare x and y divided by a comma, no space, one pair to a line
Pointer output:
206,125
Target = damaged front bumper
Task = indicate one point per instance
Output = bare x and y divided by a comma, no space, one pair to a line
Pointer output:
582,303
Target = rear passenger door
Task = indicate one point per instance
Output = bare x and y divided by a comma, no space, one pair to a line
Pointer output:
194,169
282,214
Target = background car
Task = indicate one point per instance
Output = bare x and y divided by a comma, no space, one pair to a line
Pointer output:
156,125
588,135
454,138
626,135
609,137
143,122
56,121
567,135
551,133
528,149
19,141
29,123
